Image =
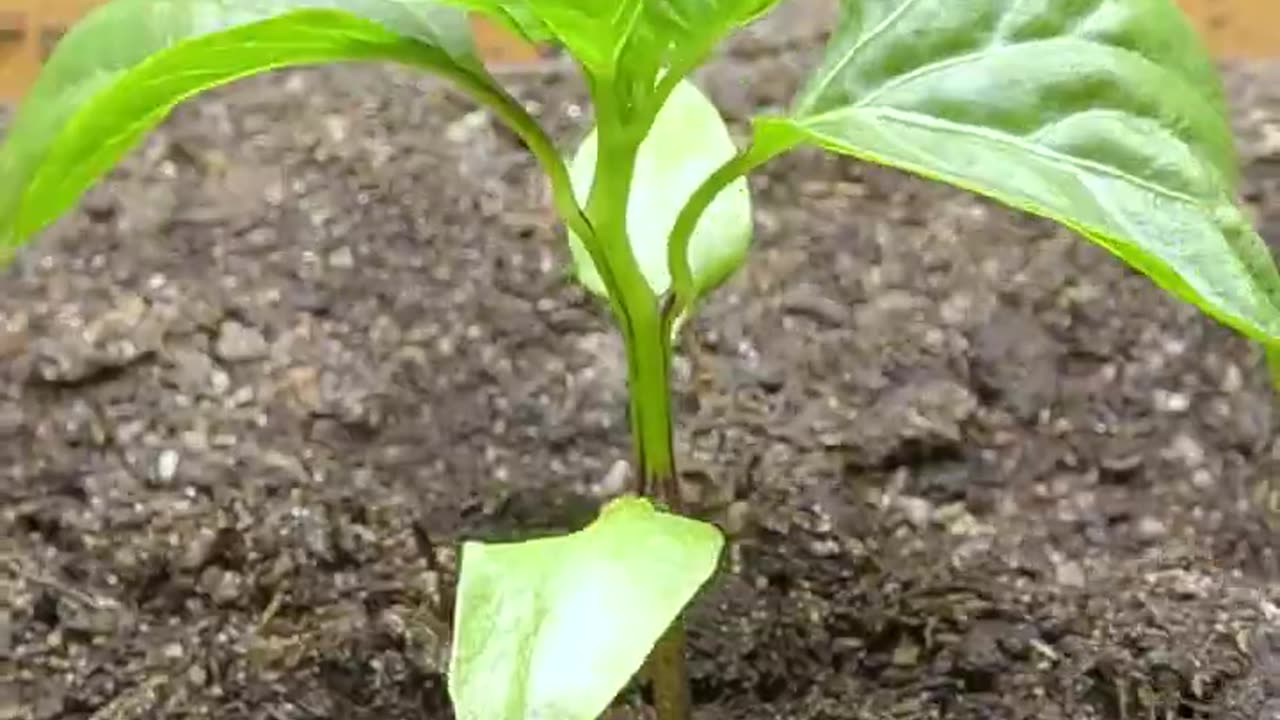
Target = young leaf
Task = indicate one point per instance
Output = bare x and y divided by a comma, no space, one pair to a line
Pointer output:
1103,115
592,31
118,72
555,627
687,142
676,35
625,45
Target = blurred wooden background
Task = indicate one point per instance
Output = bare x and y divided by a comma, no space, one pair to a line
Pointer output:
29,28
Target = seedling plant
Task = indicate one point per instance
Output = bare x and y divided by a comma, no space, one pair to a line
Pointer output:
1105,116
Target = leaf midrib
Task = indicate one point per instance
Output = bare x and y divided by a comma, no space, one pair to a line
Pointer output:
986,53
820,86
918,118
932,122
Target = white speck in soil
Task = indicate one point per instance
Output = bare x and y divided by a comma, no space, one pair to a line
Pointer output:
167,465
1167,401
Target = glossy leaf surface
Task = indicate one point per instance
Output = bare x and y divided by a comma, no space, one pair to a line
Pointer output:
118,72
555,627
687,142
1104,115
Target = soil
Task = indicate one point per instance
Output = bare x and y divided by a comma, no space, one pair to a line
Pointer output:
318,330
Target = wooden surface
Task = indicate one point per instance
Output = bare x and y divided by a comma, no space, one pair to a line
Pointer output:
28,28
1233,29
1236,29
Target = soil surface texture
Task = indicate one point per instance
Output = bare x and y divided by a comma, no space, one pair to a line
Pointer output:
318,329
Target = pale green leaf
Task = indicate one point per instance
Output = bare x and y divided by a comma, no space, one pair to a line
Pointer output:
1103,115
554,628
687,142
120,70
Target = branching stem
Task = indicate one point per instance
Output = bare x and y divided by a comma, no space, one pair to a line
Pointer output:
683,289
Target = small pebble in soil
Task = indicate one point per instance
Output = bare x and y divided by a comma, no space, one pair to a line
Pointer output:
342,259
906,654
614,482
199,550
238,342
224,587
737,517
1185,449
1070,574
1150,528
918,511
826,548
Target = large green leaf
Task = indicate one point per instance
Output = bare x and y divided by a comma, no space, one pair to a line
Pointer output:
686,143
118,72
554,628
1104,115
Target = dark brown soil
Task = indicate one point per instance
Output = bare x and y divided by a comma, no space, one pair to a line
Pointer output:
318,330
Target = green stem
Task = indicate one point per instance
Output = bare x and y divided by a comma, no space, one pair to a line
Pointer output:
513,114
683,291
648,350
650,399
652,428
640,320
682,285
670,675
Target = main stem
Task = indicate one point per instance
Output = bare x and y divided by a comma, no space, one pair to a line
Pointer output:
641,322
649,372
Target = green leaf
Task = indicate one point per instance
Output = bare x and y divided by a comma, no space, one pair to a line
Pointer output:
554,628
119,72
592,31
625,45
684,28
1103,115
679,34
688,141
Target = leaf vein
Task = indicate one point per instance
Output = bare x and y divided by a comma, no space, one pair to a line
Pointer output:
885,25
930,122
